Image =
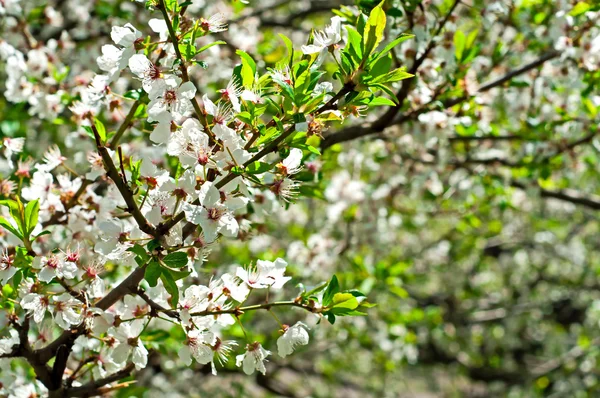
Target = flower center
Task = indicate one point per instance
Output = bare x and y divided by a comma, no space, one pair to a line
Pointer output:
215,214
170,96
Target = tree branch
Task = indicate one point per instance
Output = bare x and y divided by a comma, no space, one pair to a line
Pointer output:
359,131
91,388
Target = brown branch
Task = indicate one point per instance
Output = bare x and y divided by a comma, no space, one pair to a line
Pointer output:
125,125
359,131
402,94
91,388
155,307
56,217
265,306
183,68
124,189
129,285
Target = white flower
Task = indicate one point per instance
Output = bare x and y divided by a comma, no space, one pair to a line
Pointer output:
129,343
323,39
221,112
12,146
216,23
158,25
198,345
292,163
52,159
162,130
234,287
265,274
54,266
110,58
113,241
64,308
173,99
213,216
10,7
7,343
232,93
190,144
35,304
291,338
195,298
96,287
153,81
125,37
253,359
7,268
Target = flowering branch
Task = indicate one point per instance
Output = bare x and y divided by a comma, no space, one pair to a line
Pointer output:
237,311
123,188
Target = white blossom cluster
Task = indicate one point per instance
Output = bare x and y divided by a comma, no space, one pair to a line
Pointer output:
87,233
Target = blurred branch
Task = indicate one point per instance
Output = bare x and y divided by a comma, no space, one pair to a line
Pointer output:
359,131
92,388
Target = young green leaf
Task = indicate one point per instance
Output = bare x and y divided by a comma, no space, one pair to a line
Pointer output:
209,45
374,28
100,129
6,224
460,42
176,260
258,167
332,288
170,286
152,273
248,68
403,37
32,211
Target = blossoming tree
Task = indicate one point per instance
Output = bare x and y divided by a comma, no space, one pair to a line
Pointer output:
98,261
204,188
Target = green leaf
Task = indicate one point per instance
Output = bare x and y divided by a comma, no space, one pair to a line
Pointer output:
22,258
209,45
580,8
32,211
187,50
460,42
248,68
152,273
176,260
245,117
139,251
6,224
373,33
17,211
311,191
354,47
171,5
393,76
133,94
379,68
331,318
345,300
403,37
290,48
315,290
101,129
258,167
177,275
382,101
46,232
153,245
332,288
171,287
